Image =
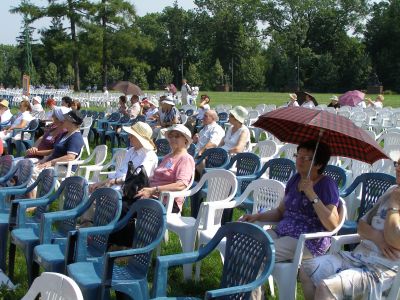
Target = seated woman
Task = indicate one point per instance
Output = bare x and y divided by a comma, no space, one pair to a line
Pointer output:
21,121
44,145
168,116
142,153
176,170
237,137
309,205
50,105
5,113
367,271
68,146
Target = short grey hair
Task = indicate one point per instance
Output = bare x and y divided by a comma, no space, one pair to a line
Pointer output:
213,114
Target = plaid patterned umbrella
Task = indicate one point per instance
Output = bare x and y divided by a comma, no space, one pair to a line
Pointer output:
298,124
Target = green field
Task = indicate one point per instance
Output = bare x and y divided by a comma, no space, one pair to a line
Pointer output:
212,267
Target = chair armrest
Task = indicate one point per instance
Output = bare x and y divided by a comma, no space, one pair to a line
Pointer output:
82,236
162,265
340,240
19,207
223,204
49,218
89,169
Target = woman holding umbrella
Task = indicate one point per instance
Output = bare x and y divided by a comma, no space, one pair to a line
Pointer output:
310,205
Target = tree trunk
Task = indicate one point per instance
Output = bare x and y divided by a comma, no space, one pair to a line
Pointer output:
104,58
75,51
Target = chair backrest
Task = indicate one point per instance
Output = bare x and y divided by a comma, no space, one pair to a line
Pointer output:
266,149
100,154
338,174
214,157
73,192
23,172
54,286
114,117
267,194
108,210
374,185
280,169
288,151
6,164
33,124
249,254
247,163
149,230
192,150
45,183
163,147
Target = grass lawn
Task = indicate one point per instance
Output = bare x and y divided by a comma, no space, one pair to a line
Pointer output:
212,266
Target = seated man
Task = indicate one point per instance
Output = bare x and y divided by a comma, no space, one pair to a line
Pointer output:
209,137
366,272
5,113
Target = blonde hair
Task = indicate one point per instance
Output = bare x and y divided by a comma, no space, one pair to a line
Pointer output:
380,98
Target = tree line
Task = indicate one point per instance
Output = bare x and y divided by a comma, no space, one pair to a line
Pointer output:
254,45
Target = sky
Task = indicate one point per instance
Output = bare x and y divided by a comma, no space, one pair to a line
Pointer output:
10,24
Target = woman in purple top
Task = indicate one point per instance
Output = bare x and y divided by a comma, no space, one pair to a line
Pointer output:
310,205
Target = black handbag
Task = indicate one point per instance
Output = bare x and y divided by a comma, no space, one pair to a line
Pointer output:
135,180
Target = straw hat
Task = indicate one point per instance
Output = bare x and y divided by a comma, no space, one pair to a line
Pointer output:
293,96
4,103
334,98
143,132
240,113
154,102
182,129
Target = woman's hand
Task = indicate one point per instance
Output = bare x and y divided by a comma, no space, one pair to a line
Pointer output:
306,185
146,192
44,165
249,218
387,250
32,151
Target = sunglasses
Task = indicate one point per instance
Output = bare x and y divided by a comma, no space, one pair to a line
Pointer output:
396,164
303,158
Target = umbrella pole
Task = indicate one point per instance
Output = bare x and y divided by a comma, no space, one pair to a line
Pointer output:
321,132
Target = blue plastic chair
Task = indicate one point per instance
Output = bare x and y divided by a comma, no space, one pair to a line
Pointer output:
24,144
338,174
280,169
6,164
192,150
84,243
111,132
249,260
163,148
20,174
45,184
223,118
96,278
73,194
102,126
373,185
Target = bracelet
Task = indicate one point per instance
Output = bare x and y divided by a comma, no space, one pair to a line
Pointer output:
157,190
393,209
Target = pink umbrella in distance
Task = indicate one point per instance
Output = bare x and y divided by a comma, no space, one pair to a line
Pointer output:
351,98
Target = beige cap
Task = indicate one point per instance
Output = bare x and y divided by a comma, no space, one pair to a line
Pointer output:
4,102
143,132
182,129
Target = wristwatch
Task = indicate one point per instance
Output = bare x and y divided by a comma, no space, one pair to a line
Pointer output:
315,200
393,209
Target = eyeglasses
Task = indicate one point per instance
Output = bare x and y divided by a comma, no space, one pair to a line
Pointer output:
303,158
396,164
175,135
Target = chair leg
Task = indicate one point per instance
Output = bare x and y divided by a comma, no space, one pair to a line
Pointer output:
3,245
34,273
11,260
188,239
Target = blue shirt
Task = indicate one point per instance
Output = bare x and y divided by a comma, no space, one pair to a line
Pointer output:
71,145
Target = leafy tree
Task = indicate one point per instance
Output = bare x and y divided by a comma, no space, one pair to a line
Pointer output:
93,74
114,74
51,75
15,76
193,75
138,76
218,73
69,75
164,76
252,74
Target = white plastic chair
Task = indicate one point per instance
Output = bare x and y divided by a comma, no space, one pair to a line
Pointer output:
51,286
85,127
266,194
285,273
221,187
390,138
288,151
266,150
99,155
97,170
341,240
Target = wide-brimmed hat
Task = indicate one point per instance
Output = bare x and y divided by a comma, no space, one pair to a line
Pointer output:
143,132
4,102
37,98
334,98
59,112
240,113
169,100
74,116
25,97
182,129
293,96
154,102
